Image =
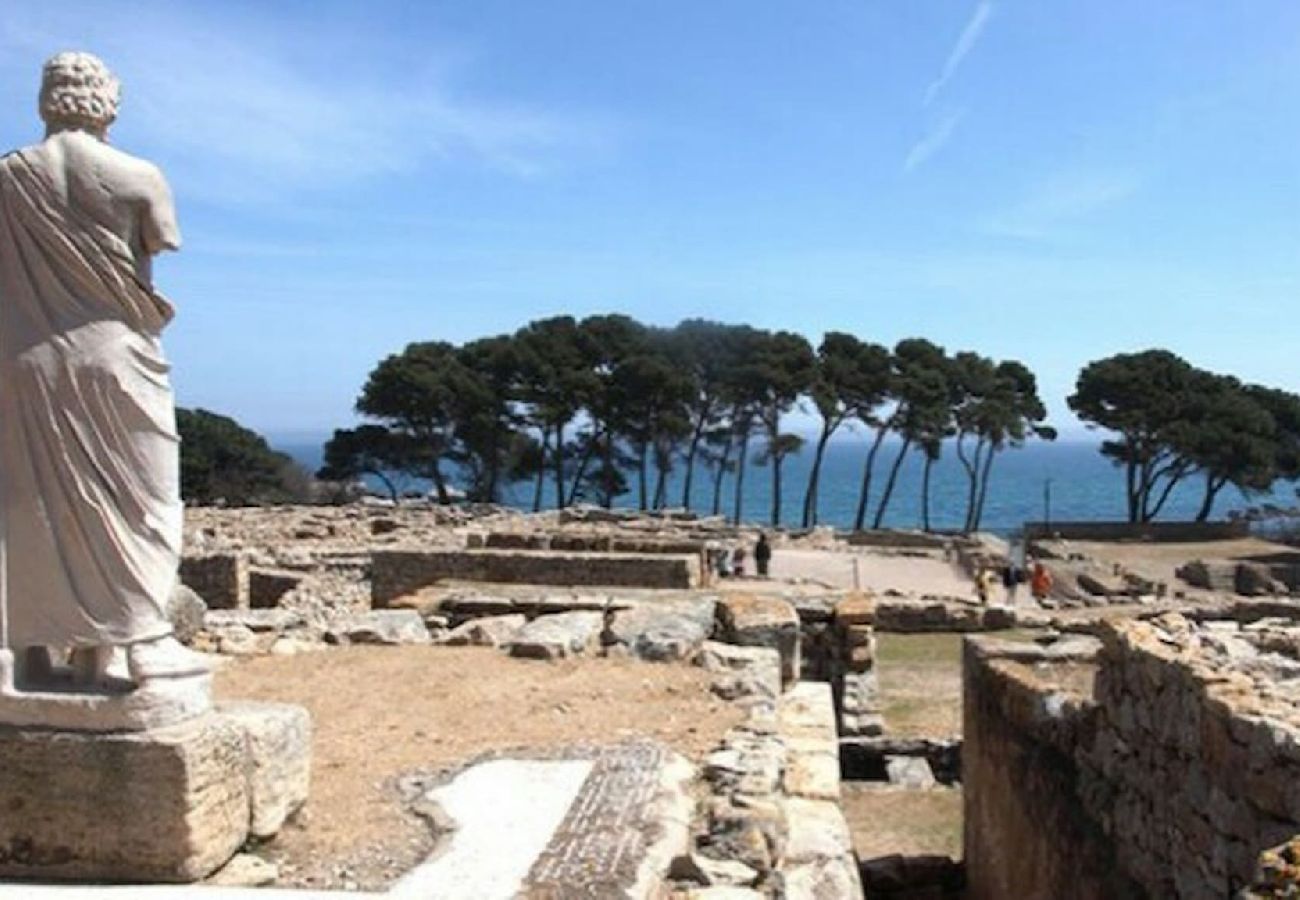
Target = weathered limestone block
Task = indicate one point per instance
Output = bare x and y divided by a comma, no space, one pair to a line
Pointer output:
259,620
557,636
661,632
490,631
755,620
819,862
278,741
1255,580
742,672
381,626
166,805
186,611
909,772
221,579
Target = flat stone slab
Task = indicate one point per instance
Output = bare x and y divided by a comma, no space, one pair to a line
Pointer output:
506,812
557,636
602,823
260,620
381,626
489,631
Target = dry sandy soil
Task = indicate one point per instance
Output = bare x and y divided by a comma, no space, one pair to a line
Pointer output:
877,572
1157,561
383,712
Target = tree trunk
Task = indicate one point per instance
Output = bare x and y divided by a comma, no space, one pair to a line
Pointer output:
925,494
642,477
439,483
776,489
740,476
984,487
540,484
1211,492
720,476
696,436
581,473
559,465
889,485
1175,473
607,458
866,477
810,497
972,467
389,485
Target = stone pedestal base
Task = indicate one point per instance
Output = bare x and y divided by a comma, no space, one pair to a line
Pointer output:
61,704
168,804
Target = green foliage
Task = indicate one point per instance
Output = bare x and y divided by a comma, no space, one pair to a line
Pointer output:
223,462
592,409
1174,421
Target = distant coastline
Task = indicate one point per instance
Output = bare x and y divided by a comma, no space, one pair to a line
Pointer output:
1083,486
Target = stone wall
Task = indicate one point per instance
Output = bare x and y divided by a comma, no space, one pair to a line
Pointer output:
572,542
909,540
1172,532
221,579
396,573
1166,779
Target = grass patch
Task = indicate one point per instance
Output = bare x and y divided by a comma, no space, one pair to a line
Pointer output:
910,822
920,681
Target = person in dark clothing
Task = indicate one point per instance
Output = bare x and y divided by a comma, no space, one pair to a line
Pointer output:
1011,578
762,555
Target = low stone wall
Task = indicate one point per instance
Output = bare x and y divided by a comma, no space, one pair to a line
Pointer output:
221,579
1169,532
901,540
1167,780
917,616
570,542
396,573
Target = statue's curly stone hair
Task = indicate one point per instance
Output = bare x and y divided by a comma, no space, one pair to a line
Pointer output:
77,89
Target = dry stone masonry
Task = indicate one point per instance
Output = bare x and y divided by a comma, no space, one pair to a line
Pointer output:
1167,778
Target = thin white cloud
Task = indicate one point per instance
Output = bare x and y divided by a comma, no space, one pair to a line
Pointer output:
966,42
257,110
932,141
1061,200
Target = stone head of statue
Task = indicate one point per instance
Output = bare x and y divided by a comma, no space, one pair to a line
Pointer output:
78,93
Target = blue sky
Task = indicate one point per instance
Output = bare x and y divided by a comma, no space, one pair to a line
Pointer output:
1046,181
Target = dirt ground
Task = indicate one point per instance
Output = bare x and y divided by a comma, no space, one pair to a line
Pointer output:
877,572
1157,561
383,712
887,820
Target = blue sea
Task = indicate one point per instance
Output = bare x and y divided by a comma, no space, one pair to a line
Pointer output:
1067,480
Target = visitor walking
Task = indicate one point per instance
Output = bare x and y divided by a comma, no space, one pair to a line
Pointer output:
1040,583
762,555
984,583
1011,577
738,562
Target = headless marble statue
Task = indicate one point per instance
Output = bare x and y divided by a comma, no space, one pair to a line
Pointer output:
90,510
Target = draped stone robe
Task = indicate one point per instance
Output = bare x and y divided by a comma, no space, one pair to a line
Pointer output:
90,511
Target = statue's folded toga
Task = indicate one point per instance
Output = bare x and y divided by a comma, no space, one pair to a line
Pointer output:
89,495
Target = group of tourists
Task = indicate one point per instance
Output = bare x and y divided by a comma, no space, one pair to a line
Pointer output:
1011,577
729,562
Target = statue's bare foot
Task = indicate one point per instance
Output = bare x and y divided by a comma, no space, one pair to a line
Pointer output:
102,667
164,658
